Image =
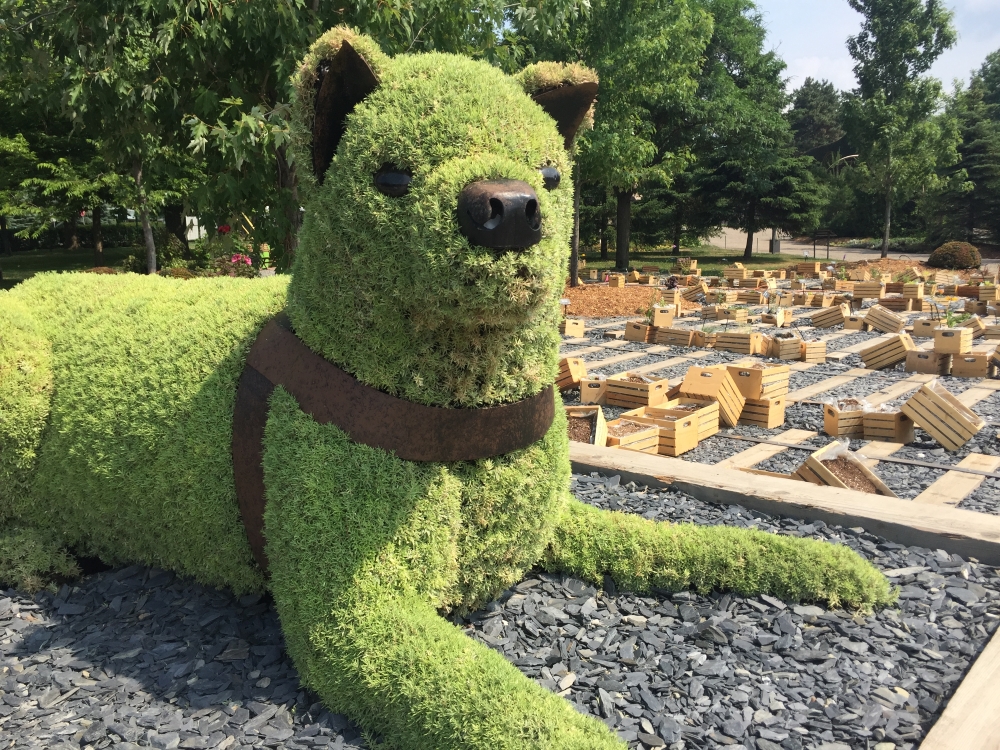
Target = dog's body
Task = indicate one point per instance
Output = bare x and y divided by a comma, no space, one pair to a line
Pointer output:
118,395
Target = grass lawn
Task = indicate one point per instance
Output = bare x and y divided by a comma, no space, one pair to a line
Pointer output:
24,265
711,260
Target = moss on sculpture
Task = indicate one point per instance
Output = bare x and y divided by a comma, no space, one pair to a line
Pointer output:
117,396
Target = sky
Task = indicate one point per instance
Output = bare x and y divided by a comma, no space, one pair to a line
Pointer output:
811,37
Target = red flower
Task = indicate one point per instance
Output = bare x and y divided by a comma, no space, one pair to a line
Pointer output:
225,229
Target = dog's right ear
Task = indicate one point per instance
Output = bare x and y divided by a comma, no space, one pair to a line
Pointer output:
341,83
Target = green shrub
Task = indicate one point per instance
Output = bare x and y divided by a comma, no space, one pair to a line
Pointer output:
955,256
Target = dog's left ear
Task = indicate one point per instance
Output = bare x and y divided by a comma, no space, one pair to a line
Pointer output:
565,91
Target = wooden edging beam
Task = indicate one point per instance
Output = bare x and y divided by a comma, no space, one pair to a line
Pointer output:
965,532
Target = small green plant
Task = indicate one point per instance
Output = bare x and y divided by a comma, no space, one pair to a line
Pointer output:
876,274
842,274
650,308
953,318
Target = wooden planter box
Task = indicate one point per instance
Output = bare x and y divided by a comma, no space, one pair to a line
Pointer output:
797,286
645,439
715,383
705,413
800,299
976,307
593,275
888,353
703,339
759,381
674,336
593,391
820,300
869,290
843,420
816,470
895,304
735,273
910,275
572,327
750,297
894,287
691,293
571,371
942,416
812,351
976,325
786,348
616,281
598,426
663,317
989,293
779,318
928,363
883,320
981,278
889,427
767,413
710,312
924,328
725,296
633,276
830,317
992,332
855,323
739,343
975,364
670,297
808,268
678,433
860,274
735,314
953,340
967,290
638,331
786,299
687,264
649,280
632,390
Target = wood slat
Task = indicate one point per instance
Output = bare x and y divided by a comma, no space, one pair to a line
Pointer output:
979,392
599,363
822,386
762,451
801,366
901,388
655,366
862,345
954,486
970,720
877,449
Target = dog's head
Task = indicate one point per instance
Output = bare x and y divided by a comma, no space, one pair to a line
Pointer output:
438,198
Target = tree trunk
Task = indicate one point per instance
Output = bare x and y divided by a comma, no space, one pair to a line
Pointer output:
676,250
71,241
6,246
888,224
574,248
604,237
147,229
287,180
624,224
97,236
971,228
751,223
173,219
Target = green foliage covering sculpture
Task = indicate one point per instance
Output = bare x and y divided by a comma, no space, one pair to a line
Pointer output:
117,403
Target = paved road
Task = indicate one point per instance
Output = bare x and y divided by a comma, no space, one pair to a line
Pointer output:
735,239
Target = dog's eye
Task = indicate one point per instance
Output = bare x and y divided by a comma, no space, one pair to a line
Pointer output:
392,181
550,177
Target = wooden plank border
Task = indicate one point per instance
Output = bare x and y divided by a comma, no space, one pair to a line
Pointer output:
965,532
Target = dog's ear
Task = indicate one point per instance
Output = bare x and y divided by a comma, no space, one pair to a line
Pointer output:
565,91
342,82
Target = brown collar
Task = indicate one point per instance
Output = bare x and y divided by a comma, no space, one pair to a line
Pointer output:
329,395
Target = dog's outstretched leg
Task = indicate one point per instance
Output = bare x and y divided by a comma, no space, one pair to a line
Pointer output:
642,555
362,549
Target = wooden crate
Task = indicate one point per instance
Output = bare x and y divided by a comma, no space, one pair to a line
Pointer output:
731,272
895,304
593,275
967,290
669,298
814,470
976,325
691,293
633,276
928,363
990,293
812,351
975,364
725,296
953,340
740,343
644,440
649,280
598,427
860,274
593,391
831,317
843,419
808,268
976,307
766,413
716,384
759,381
633,389
980,277
678,432
779,318
710,312
992,332
798,285
663,316
942,416
616,281
704,339
819,299
734,314
888,426
894,287
674,336
705,413
855,323
750,297
788,347
869,290
571,371
572,327
924,328
686,264
883,320
887,353
910,275
639,331
786,299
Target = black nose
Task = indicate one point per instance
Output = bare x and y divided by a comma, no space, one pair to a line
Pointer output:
500,214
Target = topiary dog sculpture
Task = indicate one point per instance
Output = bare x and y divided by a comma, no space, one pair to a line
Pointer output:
421,318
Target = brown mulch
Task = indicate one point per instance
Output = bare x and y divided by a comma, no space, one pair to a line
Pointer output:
847,472
601,301
581,429
622,429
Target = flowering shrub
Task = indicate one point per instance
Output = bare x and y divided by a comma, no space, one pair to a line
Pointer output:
235,264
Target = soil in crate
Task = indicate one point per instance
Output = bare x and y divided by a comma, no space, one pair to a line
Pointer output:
624,429
581,429
848,473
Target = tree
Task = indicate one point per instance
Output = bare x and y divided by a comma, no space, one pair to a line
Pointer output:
889,116
815,117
